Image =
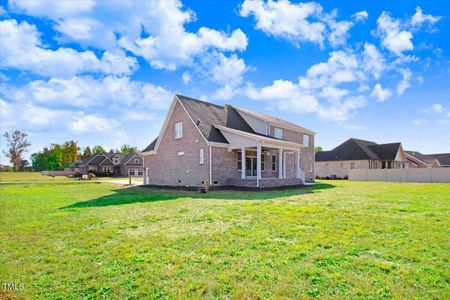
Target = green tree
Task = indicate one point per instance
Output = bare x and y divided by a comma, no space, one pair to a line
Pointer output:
39,161
70,152
98,149
55,157
317,149
127,149
86,152
17,144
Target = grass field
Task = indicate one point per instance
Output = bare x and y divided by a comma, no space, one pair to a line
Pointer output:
337,239
28,176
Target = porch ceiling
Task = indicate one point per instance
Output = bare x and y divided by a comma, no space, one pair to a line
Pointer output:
238,139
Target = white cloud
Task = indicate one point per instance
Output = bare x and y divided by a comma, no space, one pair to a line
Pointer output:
30,116
154,30
360,15
419,122
186,77
319,90
85,91
296,22
393,37
373,60
52,9
380,94
404,83
91,123
418,19
22,49
227,72
435,108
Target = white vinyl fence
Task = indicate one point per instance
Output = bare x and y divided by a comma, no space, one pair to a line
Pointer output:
401,175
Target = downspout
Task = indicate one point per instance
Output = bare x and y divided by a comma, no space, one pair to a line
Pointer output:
210,165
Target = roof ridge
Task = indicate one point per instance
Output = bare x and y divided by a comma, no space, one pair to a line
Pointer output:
198,100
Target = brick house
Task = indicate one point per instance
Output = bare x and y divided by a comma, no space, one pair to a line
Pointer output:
227,146
359,154
419,160
113,164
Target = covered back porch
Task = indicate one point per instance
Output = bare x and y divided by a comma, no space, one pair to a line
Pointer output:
264,162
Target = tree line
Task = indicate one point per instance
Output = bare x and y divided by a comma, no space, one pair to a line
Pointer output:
53,157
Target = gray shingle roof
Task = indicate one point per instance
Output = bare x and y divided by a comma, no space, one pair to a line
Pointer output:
205,115
151,146
443,158
356,149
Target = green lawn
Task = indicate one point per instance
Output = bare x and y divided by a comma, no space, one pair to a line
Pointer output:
28,176
338,239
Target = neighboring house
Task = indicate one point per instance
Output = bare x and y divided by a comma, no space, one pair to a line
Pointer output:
359,154
113,164
227,146
419,160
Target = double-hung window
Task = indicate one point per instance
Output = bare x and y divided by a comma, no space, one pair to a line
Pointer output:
306,140
278,133
178,133
274,163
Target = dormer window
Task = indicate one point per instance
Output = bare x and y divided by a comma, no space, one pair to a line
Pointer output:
116,160
136,160
278,133
178,130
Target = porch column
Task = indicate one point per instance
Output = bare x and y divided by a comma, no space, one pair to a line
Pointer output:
297,159
280,163
258,164
243,163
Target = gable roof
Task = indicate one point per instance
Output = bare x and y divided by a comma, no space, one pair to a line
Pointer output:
206,115
356,149
442,158
151,146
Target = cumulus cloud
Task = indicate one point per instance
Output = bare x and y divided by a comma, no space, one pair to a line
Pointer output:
297,22
154,30
360,15
52,9
92,122
86,91
396,35
419,19
380,94
404,83
373,61
393,37
321,90
22,49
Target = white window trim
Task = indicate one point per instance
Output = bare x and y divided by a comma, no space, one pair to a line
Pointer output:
239,158
178,130
279,130
308,138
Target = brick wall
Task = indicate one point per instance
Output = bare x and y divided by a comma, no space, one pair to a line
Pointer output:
167,167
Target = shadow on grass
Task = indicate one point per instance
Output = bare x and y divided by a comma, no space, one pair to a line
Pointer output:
151,194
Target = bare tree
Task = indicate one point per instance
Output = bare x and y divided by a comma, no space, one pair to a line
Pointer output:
17,145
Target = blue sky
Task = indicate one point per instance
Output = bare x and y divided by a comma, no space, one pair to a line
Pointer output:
105,73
